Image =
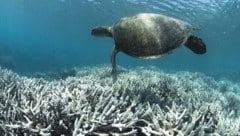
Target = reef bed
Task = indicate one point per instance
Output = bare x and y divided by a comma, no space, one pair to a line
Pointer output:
142,101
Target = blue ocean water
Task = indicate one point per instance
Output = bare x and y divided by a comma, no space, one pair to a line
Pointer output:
42,38
50,35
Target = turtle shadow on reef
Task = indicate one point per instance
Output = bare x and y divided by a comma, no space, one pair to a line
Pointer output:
149,36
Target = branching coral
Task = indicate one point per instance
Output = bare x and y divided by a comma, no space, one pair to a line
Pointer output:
140,102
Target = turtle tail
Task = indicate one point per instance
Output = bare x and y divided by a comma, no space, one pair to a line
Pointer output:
196,45
102,31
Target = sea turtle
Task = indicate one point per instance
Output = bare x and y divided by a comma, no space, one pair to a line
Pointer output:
149,35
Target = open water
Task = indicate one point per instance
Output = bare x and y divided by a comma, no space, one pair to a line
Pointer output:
51,35
178,94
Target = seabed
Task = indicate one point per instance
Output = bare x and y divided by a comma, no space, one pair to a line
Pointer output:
142,101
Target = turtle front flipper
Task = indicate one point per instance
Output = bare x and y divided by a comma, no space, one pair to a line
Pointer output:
102,31
113,61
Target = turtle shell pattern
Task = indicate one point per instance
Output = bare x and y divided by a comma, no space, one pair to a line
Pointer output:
149,35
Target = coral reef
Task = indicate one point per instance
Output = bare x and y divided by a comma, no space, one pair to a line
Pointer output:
143,101
51,75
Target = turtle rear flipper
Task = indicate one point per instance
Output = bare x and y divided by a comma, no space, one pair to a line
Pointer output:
102,31
196,45
113,60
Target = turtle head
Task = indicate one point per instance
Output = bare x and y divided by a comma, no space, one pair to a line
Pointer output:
196,45
102,31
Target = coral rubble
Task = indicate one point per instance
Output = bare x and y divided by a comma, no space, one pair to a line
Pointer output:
143,101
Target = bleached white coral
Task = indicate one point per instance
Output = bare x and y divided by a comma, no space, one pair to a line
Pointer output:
140,101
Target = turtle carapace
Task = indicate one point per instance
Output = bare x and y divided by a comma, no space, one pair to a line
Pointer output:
149,35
